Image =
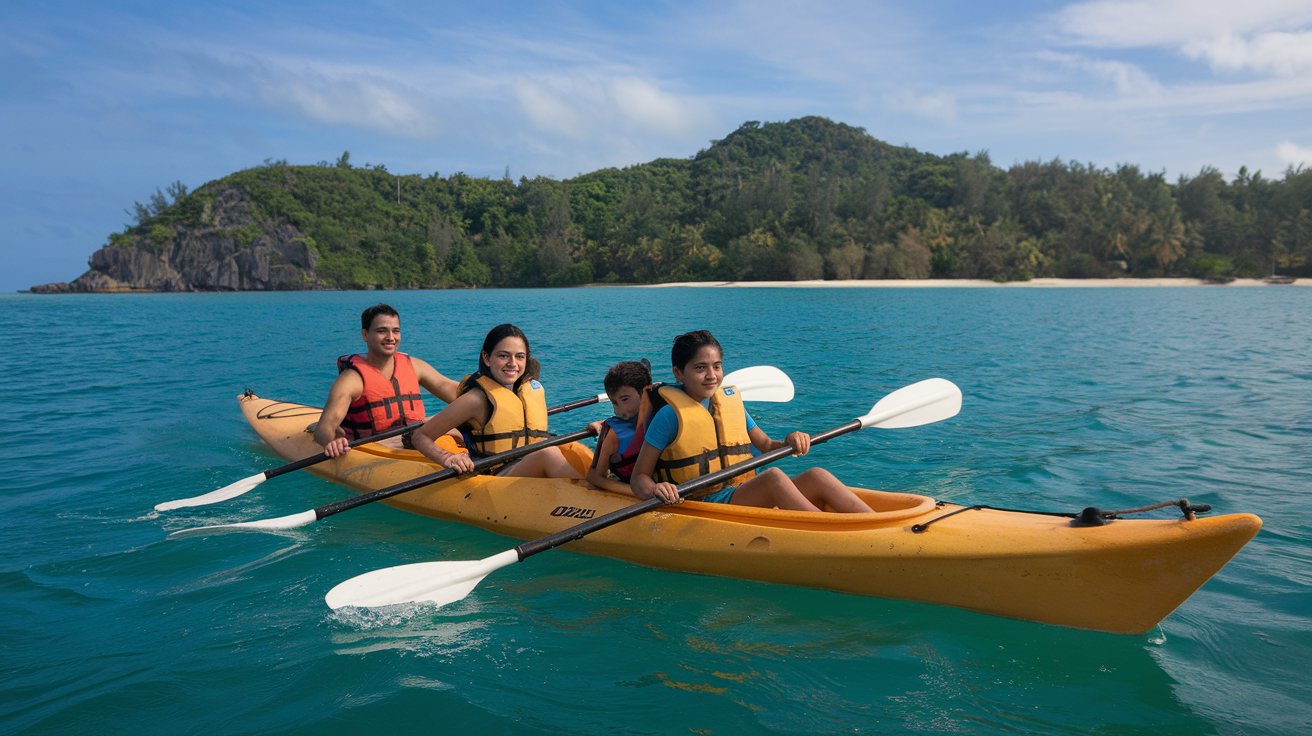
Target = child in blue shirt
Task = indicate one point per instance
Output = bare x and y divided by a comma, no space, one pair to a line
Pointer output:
620,437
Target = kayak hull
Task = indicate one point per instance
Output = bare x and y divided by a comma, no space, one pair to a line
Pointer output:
1122,577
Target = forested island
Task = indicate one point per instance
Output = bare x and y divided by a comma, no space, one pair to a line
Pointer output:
804,199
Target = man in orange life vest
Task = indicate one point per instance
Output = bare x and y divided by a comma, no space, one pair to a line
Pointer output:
379,390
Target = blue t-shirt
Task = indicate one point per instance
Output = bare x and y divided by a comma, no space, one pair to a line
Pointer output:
662,427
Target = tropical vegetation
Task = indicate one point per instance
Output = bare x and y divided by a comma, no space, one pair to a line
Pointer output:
805,199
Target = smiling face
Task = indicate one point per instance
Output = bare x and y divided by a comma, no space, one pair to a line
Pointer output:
507,360
383,336
702,374
625,400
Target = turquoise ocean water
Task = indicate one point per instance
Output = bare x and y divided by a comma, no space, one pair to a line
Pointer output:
1073,397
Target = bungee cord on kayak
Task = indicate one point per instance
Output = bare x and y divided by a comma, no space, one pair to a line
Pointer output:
1090,516
283,409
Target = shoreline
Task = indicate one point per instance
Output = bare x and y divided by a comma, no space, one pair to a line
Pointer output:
1042,283
1045,283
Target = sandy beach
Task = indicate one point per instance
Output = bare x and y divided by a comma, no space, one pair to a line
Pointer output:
981,283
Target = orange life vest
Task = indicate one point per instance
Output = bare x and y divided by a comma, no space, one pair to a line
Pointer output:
517,418
385,403
707,439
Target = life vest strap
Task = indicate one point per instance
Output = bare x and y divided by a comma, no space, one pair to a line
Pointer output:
391,400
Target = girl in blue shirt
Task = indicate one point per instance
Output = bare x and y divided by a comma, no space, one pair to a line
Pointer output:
697,362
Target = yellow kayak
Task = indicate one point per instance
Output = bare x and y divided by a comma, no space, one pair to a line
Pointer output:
1122,577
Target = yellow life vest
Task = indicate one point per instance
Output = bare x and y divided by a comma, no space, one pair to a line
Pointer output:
707,439
518,418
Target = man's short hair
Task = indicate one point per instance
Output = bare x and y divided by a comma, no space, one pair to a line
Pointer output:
367,316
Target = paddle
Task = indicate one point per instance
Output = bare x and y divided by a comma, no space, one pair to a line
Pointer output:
233,490
771,384
345,504
766,382
928,401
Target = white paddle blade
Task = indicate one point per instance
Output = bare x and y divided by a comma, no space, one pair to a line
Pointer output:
761,383
438,583
232,490
930,400
264,525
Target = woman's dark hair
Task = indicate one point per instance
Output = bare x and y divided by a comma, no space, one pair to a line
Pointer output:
632,373
687,345
367,316
496,335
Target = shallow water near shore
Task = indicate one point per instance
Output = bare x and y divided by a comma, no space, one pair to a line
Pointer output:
1086,397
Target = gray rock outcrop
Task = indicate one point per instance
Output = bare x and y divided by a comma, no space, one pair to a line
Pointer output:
228,250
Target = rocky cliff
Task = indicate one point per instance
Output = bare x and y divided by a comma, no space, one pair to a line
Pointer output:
228,249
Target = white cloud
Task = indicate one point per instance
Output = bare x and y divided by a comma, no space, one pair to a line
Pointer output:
319,91
1279,53
1125,78
825,42
360,100
1255,69
940,106
1292,154
1174,23
549,109
592,106
650,107
1269,37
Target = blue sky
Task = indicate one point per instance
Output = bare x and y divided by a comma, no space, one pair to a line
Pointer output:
100,103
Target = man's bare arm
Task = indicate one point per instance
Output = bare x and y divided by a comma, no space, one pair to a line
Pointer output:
328,433
437,384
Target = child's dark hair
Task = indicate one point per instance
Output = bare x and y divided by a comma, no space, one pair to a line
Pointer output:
496,335
367,316
632,373
687,345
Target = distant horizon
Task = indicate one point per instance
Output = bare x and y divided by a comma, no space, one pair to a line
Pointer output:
104,104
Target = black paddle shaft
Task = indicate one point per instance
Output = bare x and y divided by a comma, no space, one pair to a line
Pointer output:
572,405
578,531
316,459
344,504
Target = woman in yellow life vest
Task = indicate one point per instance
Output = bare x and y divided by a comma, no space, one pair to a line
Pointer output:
501,407
703,426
